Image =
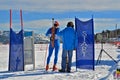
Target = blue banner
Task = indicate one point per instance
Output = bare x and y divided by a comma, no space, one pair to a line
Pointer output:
85,49
16,51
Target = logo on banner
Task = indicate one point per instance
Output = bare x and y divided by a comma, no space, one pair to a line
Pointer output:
84,44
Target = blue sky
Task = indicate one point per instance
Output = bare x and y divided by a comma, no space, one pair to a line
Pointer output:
37,14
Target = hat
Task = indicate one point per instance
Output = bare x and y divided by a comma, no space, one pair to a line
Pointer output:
70,24
56,23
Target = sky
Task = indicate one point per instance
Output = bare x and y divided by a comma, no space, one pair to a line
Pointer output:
38,14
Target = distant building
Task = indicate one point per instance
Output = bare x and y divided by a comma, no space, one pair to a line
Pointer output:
108,35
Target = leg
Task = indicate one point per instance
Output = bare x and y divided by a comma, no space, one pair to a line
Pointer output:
56,54
50,54
70,53
64,55
56,58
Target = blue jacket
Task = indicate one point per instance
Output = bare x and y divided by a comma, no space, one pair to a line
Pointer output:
69,38
49,32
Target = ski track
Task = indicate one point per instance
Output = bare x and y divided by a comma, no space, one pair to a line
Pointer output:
103,71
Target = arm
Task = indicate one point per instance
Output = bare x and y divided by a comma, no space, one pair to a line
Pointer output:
60,33
48,33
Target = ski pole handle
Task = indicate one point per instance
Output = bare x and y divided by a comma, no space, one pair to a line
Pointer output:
52,21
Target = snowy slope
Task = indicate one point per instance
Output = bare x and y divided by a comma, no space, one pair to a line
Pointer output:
103,70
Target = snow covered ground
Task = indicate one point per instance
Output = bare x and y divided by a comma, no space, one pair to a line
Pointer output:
103,70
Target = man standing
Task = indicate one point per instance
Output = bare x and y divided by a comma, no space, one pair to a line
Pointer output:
69,39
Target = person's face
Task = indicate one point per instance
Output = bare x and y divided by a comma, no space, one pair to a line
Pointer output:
55,25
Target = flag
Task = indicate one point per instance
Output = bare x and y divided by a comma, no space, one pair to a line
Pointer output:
85,49
16,51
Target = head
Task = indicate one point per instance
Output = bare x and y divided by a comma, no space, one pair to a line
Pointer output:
70,24
56,23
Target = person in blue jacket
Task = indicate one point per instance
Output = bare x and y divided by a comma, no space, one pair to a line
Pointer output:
69,38
53,44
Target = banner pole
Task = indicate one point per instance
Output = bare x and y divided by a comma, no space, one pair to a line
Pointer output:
21,18
10,18
10,39
76,48
21,21
92,16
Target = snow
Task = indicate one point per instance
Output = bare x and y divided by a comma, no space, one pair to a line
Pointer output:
103,70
